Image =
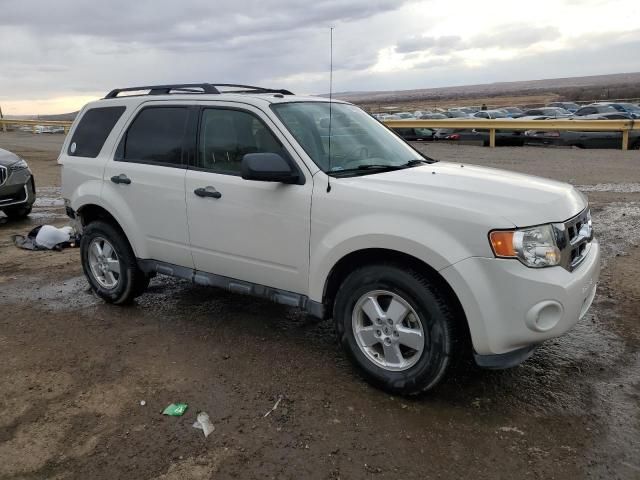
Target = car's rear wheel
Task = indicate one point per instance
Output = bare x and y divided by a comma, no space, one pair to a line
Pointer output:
110,265
17,213
397,326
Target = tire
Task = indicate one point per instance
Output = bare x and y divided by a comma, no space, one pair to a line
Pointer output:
17,213
114,275
429,312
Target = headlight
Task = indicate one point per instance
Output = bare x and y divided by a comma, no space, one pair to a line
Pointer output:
19,165
534,247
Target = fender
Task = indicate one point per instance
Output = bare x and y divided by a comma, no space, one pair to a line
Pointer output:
400,233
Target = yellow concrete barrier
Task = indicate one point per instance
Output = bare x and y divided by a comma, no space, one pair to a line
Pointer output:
623,126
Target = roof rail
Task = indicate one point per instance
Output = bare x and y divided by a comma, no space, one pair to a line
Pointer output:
165,89
195,88
250,88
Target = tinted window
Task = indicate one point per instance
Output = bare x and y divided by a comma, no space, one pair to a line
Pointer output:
156,135
227,135
92,131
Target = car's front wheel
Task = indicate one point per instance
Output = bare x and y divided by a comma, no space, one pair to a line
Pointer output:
397,326
17,213
110,264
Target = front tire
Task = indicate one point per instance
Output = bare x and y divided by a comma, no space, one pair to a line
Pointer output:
397,326
110,264
17,213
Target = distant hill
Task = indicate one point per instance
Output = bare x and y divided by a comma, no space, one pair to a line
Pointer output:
619,85
60,116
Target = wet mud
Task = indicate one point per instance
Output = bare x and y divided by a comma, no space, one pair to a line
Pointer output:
74,370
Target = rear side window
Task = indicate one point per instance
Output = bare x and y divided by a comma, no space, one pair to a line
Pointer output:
92,131
155,136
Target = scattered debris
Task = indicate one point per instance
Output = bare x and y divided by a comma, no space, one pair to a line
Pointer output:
175,409
273,409
203,423
47,237
142,403
511,429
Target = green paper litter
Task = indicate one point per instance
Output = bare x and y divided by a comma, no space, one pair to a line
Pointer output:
175,409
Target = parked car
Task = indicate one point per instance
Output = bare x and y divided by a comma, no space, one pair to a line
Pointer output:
568,106
456,114
548,112
606,116
513,112
443,133
405,115
415,134
594,109
582,139
433,116
629,108
504,138
17,186
418,262
490,114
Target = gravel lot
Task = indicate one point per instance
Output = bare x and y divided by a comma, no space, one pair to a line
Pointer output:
74,370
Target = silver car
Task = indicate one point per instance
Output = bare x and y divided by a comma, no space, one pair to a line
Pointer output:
17,186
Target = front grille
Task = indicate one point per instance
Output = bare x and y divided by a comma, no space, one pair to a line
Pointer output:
3,174
573,238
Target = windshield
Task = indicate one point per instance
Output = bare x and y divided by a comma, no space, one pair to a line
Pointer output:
358,141
629,107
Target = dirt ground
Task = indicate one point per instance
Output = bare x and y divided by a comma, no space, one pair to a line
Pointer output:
74,370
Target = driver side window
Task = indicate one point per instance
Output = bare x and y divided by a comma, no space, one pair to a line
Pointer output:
227,135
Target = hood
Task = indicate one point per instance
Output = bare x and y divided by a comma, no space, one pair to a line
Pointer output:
523,200
7,158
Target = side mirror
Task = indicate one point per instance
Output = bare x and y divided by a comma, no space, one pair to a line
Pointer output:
268,167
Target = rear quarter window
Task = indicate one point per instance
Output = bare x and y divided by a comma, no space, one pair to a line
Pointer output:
92,131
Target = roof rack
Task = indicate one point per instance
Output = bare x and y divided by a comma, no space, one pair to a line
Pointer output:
195,88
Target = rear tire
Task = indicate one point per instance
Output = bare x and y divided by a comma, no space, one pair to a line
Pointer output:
110,265
17,213
410,347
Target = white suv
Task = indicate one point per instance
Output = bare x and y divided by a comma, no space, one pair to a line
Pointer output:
317,205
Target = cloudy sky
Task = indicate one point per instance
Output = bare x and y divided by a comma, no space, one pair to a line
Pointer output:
58,54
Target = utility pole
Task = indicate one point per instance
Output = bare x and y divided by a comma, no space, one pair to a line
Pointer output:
4,127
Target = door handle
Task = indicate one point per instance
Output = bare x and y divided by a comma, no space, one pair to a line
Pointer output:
122,178
207,192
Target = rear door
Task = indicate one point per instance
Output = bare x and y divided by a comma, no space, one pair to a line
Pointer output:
147,177
250,230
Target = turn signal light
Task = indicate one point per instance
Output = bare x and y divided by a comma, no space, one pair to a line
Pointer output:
502,244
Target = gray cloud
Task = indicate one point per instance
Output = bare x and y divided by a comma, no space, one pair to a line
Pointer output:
416,44
507,36
511,36
73,47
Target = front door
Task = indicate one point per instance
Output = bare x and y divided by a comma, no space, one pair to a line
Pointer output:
248,230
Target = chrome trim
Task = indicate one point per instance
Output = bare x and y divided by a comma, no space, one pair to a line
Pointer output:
573,239
4,174
11,202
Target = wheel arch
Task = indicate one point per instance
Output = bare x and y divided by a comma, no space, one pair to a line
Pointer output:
371,256
91,212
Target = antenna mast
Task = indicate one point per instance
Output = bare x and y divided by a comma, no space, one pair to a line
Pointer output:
330,101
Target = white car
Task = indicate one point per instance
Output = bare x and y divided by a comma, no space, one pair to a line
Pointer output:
317,205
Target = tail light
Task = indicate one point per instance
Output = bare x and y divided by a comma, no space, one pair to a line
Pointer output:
455,136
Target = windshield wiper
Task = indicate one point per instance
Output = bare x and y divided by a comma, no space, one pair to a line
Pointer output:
370,168
416,162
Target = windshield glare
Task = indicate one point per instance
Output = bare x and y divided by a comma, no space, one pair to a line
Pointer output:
357,140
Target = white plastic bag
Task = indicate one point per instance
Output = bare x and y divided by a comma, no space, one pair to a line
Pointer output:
50,236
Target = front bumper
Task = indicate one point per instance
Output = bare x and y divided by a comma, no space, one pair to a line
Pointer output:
510,308
18,190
